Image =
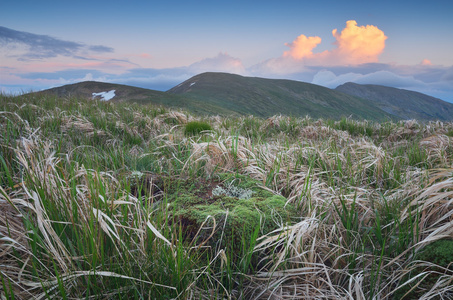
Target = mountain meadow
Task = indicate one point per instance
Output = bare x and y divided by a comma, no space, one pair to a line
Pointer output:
130,199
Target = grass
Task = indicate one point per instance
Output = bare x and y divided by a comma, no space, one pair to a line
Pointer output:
196,127
95,200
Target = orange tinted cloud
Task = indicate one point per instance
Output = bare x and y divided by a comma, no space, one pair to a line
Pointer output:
426,62
354,45
302,46
359,44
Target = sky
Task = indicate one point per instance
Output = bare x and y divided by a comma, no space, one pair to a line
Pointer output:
159,44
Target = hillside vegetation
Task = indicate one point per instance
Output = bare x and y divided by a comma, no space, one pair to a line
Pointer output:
132,94
103,200
266,97
228,94
401,103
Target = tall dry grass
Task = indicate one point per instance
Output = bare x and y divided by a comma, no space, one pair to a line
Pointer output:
370,198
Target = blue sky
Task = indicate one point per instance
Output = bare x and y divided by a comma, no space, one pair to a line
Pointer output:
158,44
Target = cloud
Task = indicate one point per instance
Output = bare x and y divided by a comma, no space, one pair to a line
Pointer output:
100,49
70,75
158,79
353,57
358,44
302,47
221,63
426,62
354,45
164,79
30,46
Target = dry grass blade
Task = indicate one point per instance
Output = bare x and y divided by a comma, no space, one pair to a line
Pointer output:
158,234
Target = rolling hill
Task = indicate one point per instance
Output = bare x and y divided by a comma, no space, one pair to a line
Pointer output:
266,97
401,103
126,93
229,94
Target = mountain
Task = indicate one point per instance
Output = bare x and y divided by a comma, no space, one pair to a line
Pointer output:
401,103
126,93
266,97
121,92
229,94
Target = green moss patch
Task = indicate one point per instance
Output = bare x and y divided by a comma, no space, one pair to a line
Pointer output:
224,221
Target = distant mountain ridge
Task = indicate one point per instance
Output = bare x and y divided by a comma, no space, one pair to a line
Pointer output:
266,97
126,93
401,103
229,94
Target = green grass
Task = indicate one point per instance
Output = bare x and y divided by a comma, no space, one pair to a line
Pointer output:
114,201
196,127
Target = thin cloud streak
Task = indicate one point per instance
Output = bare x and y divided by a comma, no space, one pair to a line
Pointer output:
38,47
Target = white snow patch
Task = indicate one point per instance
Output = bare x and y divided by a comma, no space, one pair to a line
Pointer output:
105,96
192,84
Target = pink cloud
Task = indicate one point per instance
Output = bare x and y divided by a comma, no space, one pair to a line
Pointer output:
354,45
302,47
145,55
358,44
426,62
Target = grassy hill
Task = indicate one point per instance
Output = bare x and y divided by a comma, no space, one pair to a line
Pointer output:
401,103
228,94
266,97
235,95
126,93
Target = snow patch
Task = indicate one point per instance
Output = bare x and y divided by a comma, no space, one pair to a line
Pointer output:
192,84
105,96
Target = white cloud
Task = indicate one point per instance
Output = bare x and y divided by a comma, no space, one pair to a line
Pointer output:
221,63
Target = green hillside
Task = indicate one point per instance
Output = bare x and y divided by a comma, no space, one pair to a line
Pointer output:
266,97
401,103
126,93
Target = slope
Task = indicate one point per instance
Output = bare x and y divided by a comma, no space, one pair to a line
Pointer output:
266,97
401,103
126,93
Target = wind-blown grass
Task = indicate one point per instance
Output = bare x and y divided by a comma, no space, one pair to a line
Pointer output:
84,209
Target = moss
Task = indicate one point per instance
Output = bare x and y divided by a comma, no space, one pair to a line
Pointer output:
440,253
236,219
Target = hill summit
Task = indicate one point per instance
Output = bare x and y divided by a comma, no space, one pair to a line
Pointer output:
401,103
266,97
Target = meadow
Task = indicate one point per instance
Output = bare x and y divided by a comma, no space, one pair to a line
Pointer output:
129,201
